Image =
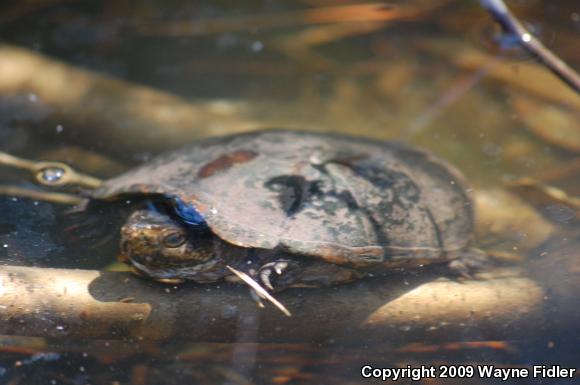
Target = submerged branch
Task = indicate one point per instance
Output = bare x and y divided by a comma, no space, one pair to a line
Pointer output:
46,196
92,304
121,114
349,13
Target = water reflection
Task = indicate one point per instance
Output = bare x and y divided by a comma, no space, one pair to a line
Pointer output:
417,72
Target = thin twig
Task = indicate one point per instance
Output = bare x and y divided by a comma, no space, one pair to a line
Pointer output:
53,197
367,12
501,13
52,174
260,291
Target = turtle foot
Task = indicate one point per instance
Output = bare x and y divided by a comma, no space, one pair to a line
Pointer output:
469,263
277,275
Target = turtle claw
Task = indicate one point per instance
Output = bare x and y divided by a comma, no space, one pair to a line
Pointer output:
266,270
265,278
280,266
461,270
472,261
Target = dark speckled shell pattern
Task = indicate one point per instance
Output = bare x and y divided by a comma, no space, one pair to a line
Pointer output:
342,199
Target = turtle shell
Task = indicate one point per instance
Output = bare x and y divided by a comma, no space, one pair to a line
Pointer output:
342,199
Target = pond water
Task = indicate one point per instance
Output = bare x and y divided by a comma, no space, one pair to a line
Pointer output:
107,85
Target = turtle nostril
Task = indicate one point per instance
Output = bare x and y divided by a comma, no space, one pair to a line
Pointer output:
125,248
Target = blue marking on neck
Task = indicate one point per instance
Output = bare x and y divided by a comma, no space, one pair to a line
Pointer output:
188,213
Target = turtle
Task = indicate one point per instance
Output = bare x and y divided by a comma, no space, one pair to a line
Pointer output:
292,209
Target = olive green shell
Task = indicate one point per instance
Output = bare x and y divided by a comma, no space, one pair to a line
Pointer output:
342,199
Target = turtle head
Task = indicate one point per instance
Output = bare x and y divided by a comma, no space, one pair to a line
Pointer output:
161,246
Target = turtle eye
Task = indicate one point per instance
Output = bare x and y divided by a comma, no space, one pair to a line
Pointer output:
174,239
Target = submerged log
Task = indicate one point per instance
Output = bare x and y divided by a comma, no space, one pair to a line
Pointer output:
502,304
117,113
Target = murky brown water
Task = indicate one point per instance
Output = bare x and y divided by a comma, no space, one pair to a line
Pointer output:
430,73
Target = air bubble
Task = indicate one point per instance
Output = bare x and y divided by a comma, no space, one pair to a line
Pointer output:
52,174
257,46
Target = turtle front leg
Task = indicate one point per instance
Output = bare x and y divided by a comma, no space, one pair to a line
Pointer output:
285,272
469,262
